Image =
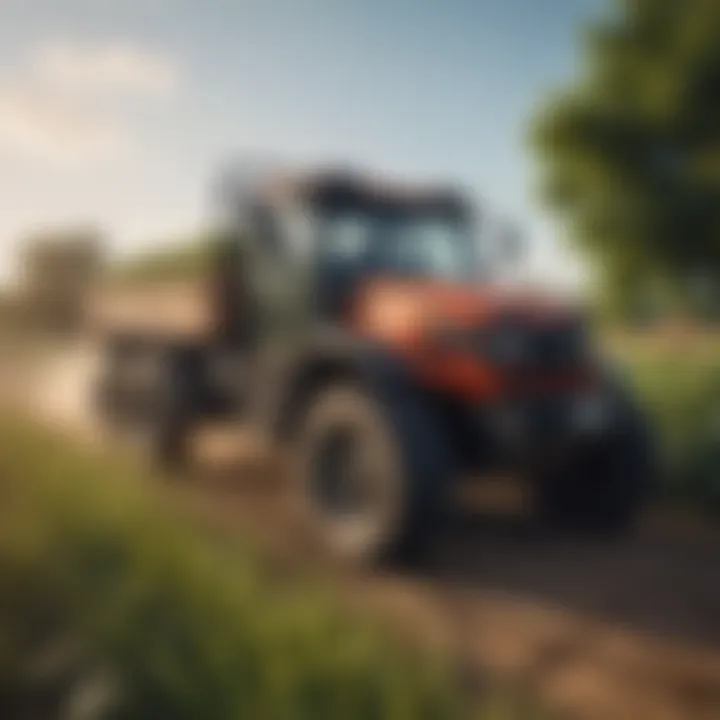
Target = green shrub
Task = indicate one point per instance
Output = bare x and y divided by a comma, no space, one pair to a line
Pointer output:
112,606
682,395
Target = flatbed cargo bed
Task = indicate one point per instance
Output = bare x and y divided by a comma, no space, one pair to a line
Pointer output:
175,309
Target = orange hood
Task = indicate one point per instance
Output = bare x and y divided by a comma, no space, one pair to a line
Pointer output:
411,316
410,308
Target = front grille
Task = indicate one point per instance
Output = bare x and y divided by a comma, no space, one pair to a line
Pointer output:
541,348
531,423
519,345
555,347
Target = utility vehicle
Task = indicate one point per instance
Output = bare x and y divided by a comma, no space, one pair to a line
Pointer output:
355,320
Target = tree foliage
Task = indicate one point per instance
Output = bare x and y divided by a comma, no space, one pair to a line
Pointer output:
632,151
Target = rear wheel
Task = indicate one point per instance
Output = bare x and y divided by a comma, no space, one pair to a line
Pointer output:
149,409
372,475
168,422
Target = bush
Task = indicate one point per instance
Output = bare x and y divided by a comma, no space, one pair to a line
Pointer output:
112,606
680,387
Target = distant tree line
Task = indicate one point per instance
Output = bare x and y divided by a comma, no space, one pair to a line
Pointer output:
58,269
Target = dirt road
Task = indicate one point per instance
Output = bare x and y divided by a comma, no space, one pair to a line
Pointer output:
607,630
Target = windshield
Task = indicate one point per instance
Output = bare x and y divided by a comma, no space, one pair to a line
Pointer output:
405,244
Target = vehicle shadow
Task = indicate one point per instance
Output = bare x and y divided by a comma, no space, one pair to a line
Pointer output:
654,580
658,580
626,628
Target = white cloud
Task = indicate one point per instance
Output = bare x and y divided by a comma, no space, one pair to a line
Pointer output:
109,66
52,109
40,126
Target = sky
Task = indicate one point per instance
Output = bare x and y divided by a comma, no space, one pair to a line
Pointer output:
119,114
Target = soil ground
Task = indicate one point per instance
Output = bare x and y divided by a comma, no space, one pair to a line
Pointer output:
628,629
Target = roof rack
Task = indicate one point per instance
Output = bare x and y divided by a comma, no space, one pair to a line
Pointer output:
252,182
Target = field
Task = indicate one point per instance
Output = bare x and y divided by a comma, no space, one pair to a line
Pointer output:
113,604
627,630
91,558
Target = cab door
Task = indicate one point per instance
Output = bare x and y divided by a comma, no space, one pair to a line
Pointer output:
281,272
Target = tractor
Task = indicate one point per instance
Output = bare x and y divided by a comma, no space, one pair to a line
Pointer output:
357,322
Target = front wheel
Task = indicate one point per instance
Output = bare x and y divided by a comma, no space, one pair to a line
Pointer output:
373,475
603,486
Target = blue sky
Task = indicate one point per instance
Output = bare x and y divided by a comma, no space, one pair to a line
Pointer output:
120,113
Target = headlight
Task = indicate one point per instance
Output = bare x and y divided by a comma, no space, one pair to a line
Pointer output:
392,314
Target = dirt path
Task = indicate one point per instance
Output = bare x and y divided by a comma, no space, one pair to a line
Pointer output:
608,630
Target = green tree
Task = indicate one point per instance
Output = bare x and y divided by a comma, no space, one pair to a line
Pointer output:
631,153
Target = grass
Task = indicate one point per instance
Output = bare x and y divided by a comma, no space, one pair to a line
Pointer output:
112,606
678,379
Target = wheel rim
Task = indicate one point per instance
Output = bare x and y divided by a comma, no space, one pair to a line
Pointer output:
337,482
349,494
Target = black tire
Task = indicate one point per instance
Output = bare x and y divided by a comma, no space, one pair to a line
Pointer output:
604,486
170,418
169,434
155,418
412,471
106,398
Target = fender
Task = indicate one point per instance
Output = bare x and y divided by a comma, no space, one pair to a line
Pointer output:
336,355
